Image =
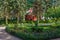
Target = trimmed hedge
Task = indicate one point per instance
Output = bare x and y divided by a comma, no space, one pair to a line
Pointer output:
27,34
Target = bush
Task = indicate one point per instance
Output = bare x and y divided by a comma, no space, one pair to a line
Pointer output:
34,33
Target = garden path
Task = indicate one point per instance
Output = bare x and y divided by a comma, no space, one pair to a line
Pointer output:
5,36
56,39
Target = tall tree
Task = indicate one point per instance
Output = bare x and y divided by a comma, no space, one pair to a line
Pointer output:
38,10
6,10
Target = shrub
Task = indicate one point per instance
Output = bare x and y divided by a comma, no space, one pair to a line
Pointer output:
35,33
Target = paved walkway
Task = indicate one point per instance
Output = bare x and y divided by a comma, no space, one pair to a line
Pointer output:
56,39
5,36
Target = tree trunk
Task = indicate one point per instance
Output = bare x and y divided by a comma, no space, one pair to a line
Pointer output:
6,19
37,10
17,18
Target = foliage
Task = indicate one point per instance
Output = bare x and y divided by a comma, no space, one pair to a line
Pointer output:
55,13
27,33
